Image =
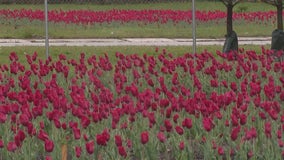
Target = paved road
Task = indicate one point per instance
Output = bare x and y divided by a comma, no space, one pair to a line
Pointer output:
130,42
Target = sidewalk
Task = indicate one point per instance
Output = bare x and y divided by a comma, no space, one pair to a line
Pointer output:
131,42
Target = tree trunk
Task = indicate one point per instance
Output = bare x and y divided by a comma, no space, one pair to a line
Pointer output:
279,15
231,43
229,19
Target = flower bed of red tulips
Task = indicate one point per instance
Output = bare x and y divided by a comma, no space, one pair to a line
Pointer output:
87,17
145,107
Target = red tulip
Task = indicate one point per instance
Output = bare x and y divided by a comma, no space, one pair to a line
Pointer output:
129,143
244,107
279,134
90,146
214,83
1,143
31,129
263,74
19,138
144,137
85,136
102,138
85,122
281,96
175,118
24,119
13,56
169,112
77,133
150,82
15,108
243,119
273,114
187,122
238,73
118,140
11,147
121,151
175,79
48,157
48,145
164,103
207,124
250,134
64,126
249,154
168,125
232,152
181,145
78,151
234,86
234,120
214,145
280,143
161,136
224,83
123,125
57,123
42,135
220,150
255,89
37,111
267,128
3,117
179,130
227,123
235,132
152,118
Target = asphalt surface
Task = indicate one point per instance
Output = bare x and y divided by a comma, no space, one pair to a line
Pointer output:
131,42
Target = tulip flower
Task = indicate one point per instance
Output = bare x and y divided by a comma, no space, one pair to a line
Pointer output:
90,146
48,145
144,137
121,151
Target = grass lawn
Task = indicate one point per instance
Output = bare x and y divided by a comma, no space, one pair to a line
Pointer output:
26,29
132,30
74,52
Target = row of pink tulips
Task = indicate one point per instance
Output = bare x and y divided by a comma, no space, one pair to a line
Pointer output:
84,17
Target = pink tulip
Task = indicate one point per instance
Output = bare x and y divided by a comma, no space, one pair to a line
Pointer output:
11,146
118,140
207,124
122,152
48,145
144,137
90,147
181,145
179,130
78,151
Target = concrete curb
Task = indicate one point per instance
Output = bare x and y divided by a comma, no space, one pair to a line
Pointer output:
131,42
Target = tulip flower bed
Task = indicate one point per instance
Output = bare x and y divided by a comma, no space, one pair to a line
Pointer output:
143,107
124,23
88,17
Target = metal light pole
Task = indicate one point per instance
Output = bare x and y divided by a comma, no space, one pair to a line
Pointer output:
193,27
46,30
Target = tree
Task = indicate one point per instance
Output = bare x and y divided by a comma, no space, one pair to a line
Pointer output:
279,5
277,43
231,42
